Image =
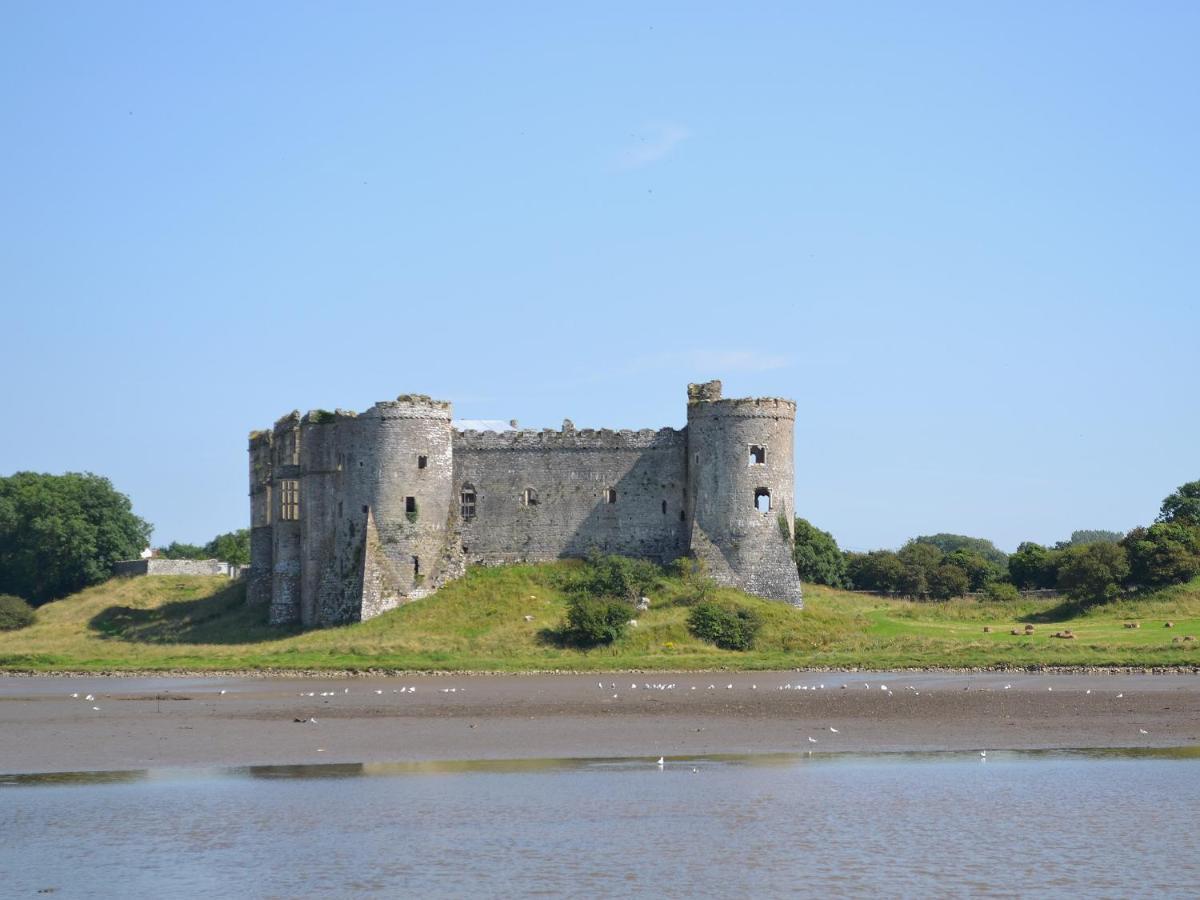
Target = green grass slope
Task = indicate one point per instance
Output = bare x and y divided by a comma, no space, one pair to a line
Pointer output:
478,623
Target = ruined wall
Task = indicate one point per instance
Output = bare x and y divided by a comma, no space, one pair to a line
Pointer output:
570,473
154,566
262,541
738,450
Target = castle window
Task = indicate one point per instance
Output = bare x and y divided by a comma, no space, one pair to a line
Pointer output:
682,516
339,509
467,501
610,495
416,567
529,497
762,499
410,508
664,507
422,462
289,500
758,455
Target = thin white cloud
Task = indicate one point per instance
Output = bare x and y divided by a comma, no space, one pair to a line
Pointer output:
655,143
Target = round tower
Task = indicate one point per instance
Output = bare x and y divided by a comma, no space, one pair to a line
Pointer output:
740,485
404,469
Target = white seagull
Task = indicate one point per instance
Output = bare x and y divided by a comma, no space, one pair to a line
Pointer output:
661,762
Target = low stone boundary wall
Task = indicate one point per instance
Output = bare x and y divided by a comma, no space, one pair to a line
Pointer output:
132,567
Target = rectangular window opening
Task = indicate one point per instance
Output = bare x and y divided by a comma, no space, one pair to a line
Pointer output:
289,501
758,455
422,462
762,500
410,508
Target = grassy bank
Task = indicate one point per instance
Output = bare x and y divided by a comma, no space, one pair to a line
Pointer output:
478,623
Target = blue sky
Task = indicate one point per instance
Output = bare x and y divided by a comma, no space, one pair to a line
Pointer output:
962,236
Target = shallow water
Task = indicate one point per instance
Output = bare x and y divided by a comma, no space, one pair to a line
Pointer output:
1097,823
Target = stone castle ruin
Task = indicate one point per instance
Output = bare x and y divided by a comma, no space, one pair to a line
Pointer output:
355,514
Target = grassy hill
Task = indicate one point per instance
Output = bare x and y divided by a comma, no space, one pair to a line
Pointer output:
478,623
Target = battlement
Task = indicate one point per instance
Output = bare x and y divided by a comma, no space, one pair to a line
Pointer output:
569,438
744,408
411,406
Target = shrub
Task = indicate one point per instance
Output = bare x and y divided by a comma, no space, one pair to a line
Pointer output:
613,576
948,581
698,586
1000,592
14,613
729,627
595,620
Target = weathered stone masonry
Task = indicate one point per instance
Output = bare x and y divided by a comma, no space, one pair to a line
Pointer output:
354,514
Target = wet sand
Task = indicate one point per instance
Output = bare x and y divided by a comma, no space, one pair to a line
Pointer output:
168,722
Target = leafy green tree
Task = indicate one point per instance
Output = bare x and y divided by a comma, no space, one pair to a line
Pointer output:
978,571
879,570
947,581
1090,536
61,533
949,543
1182,506
818,559
179,550
232,547
1093,573
1033,566
920,559
1165,553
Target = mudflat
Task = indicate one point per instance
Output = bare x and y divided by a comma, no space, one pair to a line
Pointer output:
136,723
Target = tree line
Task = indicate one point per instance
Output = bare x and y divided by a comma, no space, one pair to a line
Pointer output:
1094,566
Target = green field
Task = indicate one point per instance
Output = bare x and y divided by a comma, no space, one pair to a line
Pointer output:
478,624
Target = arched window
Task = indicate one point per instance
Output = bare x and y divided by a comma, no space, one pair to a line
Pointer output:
610,495
758,455
529,497
467,501
762,499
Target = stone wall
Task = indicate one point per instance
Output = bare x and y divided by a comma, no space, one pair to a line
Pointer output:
154,566
541,495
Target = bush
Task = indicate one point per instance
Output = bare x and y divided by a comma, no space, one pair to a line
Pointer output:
698,586
729,627
613,576
947,581
595,620
1000,592
1093,573
15,613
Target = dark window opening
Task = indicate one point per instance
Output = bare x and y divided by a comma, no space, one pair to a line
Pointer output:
467,502
339,509
416,566
289,501
762,499
422,462
682,516
758,455
410,508
365,508
529,497
664,507
610,495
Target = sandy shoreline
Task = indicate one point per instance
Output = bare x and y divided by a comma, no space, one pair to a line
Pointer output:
150,722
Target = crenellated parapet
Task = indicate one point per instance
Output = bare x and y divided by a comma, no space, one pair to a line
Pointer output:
569,439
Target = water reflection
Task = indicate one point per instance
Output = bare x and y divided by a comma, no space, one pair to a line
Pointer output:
568,764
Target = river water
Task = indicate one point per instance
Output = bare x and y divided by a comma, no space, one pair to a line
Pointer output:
1045,824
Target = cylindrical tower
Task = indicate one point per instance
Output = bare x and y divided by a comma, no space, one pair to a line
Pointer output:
740,486
407,469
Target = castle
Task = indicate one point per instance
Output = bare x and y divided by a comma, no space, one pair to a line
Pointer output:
355,514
